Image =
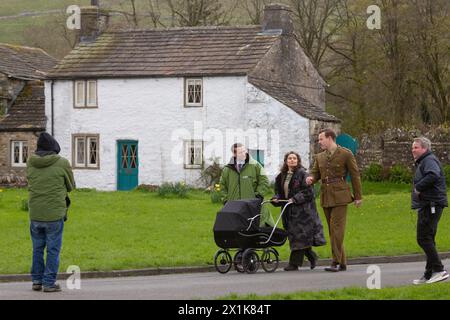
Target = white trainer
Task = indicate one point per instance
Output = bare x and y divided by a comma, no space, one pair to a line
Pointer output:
420,281
438,276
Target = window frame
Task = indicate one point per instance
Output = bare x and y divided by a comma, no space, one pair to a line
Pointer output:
188,104
21,164
86,104
187,146
87,151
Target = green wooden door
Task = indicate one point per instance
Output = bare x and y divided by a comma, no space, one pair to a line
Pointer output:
127,165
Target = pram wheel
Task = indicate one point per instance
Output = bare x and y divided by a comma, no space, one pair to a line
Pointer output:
222,261
269,260
250,261
237,261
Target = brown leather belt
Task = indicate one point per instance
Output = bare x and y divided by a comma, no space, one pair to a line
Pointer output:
332,180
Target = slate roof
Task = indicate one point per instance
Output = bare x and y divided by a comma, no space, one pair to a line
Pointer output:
25,62
28,111
170,52
288,97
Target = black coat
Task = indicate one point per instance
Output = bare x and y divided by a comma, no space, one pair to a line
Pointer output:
429,181
300,219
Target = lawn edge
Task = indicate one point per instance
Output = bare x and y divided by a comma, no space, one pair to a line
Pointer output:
202,269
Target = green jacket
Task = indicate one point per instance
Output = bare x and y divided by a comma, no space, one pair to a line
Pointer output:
50,178
250,183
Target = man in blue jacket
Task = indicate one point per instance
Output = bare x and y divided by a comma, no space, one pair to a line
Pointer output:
429,197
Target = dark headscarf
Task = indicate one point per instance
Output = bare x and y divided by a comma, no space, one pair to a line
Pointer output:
47,145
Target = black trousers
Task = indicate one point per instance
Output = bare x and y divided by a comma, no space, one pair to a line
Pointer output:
427,224
297,256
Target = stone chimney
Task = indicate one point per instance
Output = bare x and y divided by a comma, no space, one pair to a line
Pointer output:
93,22
277,17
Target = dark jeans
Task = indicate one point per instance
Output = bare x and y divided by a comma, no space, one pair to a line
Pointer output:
427,224
46,234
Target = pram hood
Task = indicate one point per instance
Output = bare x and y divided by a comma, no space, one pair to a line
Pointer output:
235,216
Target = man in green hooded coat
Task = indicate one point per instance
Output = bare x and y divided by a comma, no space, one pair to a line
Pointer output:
244,178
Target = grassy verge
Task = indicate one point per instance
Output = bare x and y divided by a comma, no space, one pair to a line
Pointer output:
436,291
122,230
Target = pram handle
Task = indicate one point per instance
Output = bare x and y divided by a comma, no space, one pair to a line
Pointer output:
269,201
264,202
276,224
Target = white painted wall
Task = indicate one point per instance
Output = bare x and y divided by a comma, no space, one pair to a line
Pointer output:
151,111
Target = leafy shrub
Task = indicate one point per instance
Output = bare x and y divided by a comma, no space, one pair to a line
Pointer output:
400,174
179,189
146,188
216,197
373,173
211,174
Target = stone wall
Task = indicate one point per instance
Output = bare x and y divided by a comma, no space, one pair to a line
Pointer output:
394,147
9,175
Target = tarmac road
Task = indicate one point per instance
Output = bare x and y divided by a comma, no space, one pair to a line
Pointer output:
210,285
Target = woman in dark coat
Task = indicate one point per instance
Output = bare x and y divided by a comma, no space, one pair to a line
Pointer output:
300,220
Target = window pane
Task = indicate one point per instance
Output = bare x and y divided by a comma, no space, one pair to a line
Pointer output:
79,93
80,149
16,152
191,95
124,156
133,163
24,152
194,91
93,151
92,93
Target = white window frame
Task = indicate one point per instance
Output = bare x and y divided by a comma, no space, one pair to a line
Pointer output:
193,81
88,97
85,94
198,162
89,150
86,138
21,163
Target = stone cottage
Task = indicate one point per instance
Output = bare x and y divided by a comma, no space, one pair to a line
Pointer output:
152,106
22,107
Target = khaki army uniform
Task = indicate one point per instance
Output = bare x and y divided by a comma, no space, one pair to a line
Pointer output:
331,170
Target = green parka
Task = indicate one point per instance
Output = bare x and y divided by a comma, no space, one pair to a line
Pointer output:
50,178
250,183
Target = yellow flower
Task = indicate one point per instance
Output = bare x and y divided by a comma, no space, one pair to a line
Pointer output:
217,185
1,190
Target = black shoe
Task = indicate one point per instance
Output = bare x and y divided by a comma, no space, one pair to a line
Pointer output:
36,286
55,288
312,258
291,267
342,267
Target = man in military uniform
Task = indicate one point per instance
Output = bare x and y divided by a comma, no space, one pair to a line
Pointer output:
331,168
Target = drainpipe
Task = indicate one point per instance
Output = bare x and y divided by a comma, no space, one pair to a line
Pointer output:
52,108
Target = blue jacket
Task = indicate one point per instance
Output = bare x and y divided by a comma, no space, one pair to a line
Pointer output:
429,181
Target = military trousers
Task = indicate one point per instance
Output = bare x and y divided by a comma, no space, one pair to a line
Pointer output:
336,220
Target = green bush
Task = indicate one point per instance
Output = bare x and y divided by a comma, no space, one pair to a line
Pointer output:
146,188
216,197
447,174
373,173
179,189
400,174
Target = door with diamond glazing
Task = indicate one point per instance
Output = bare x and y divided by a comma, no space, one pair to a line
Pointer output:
127,165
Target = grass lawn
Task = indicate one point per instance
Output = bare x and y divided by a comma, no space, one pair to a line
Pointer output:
122,230
436,291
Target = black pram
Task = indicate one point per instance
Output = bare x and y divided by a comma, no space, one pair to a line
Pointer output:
237,227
